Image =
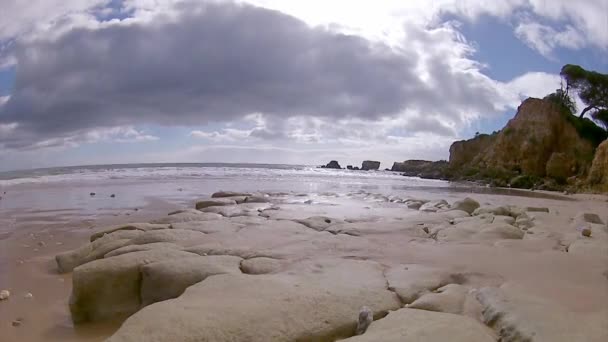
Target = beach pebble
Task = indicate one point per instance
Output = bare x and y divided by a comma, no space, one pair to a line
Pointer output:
112,195
92,194
41,243
586,232
17,322
366,317
28,296
4,294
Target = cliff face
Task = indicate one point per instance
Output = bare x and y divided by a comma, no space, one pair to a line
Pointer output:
422,168
463,152
598,174
539,141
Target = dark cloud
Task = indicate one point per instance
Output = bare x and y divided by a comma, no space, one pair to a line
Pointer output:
214,62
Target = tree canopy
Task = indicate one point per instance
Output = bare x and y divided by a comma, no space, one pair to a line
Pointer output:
591,87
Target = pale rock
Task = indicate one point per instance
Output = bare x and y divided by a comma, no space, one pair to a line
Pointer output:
130,226
588,218
468,204
210,227
411,281
105,288
4,294
366,317
221,194
315,301
218,202
499,231
168,279
537,209
141,248
448,299
188,216
261,265
319,223
167,235
420,325
504,220
256,199
518,316
434,206
97,249
503,211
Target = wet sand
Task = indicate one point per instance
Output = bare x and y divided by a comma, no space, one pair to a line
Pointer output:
31,237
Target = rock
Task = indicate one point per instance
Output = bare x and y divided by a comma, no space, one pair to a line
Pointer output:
370,165
434,206
256,199
468,204
504,219
586,232
412,281
261,265
598,174
319,223
166,235
313,301
448,299
112,195
498,232
214,203
366,317
28,296
67,261
415,205
17,322
588,218
504,211
92,194
517,316
349,167
210,227
41,243
4,294
141,248
419,325
168,279
131,226
422,168
221,194
333,165
105,288
189,216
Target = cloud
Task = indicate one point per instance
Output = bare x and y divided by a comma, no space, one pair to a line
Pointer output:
204,64
545,39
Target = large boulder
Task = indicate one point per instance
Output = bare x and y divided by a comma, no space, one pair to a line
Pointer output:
598,174
468,204
67,261
317,300
370,165
169,278
420,325
216,202
110,287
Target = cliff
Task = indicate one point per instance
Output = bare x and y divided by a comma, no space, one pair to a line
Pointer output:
541,141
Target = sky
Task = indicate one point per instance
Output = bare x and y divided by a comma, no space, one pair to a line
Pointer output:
276,81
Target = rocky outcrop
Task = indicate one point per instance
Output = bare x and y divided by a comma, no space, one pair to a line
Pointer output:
422,168
370,165
540,142
598,175
465,151
332,165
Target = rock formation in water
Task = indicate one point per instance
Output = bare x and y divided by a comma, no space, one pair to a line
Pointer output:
422,168
370,165
332,165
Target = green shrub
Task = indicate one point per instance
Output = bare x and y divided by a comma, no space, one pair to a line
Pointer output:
524,182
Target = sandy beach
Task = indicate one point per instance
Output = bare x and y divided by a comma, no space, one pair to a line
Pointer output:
510,269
